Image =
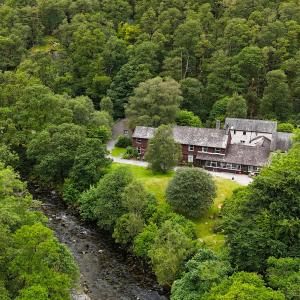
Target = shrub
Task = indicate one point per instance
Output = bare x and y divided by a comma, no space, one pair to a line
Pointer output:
70,192
130,153
143,241
285,127
128,226
123,141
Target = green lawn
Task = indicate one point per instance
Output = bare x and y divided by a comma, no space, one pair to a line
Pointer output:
154,183
118,152
157,183
205,225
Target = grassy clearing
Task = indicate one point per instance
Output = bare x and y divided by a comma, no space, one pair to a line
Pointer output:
118,152
205,225
157,184
154,183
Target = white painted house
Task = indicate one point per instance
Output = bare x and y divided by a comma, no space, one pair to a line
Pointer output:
250,132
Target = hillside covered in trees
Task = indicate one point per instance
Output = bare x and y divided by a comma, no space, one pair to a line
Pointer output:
213,49
69,69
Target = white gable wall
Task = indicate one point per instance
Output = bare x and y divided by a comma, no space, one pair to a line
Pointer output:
238,136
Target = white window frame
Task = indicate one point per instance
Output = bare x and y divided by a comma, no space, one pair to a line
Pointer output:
223,165
206,149
190,158
217,150
191,148
139,141
139,150
211,164
214,164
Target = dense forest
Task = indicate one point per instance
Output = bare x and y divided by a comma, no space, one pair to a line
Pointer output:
213,49
69,69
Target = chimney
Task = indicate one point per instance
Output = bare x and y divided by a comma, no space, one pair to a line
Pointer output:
227,130
218,124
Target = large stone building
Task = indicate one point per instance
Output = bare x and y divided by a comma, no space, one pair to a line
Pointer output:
243,146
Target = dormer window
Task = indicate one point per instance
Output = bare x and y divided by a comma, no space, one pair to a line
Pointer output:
191,147
217,150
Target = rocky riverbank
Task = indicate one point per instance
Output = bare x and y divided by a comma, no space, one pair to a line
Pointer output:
107,272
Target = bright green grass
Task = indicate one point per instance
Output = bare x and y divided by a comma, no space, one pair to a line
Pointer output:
157,184
154,183
118,152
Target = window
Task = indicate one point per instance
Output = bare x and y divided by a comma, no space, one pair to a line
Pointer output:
212,164
234,131
244,132
242,142
191,147
190,158
139,149
125,132
217,150
253,169
204,149
138,141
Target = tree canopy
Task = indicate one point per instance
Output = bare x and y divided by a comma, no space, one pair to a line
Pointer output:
69,69
191,192
154,102
163,153
262,220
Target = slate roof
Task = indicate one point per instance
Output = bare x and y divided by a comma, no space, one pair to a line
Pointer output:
142,132
283,141
240,154
251,125
208,137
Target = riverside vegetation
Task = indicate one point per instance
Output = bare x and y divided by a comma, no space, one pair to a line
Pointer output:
70,68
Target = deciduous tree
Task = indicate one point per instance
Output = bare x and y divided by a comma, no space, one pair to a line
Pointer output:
237,107
191,192
244,286
154,102
276,102
163,153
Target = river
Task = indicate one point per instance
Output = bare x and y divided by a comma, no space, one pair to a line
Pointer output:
106,271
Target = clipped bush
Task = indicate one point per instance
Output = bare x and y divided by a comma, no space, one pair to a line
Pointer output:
130,153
